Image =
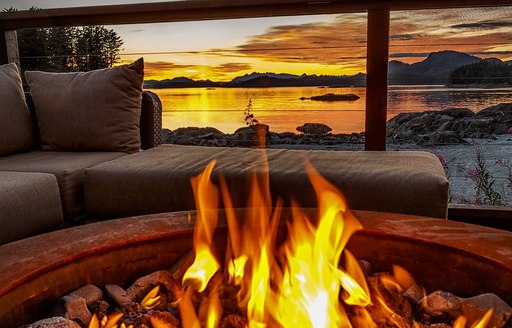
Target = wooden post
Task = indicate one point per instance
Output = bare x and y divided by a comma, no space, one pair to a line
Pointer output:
13,52
377,58
3,48
9,52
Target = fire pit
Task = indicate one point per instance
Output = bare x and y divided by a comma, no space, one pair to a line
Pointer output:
285,263
461,258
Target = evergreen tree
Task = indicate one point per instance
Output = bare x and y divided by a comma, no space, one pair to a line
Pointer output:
67,48
487,71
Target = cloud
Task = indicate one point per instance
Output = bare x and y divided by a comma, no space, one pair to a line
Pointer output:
162,65
321,42
231,67
483,25
403,37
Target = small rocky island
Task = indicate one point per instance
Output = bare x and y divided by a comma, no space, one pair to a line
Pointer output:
333,97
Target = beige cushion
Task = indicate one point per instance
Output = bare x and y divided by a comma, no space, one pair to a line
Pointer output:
158,180
93,111
15,122
29,205
68,167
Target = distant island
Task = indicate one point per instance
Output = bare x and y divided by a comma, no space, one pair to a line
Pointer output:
443,67
333,97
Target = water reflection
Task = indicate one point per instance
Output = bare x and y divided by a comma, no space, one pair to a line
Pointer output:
282,109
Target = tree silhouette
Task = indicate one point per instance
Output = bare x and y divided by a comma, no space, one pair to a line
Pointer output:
60,49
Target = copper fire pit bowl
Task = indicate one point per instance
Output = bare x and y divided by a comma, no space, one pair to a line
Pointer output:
461,258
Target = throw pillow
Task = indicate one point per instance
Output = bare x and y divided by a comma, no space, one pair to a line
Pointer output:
15,123
89,111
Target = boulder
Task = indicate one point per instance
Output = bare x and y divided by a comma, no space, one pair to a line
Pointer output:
451,125
315,129
458,112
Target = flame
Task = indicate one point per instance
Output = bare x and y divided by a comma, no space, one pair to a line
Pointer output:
482,323
151,298
460,322
297,283
205,264
402,277
354,282
363,319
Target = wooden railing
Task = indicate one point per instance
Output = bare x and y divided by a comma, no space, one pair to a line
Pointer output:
195,10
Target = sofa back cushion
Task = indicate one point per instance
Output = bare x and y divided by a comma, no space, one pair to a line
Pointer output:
15,123
89,111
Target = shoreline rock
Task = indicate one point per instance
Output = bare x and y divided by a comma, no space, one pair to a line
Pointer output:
451,125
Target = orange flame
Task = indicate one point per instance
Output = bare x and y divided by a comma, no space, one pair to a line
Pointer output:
205,265
482,323
297,284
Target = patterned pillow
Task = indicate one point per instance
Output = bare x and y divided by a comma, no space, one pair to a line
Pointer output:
15,124
89,111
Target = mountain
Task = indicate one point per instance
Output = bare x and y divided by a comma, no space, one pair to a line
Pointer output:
255,75
434,69
271,80
179,82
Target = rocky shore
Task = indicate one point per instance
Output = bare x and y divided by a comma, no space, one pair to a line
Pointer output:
451,126
457,136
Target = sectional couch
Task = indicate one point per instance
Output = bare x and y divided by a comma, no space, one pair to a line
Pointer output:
91,148
44,152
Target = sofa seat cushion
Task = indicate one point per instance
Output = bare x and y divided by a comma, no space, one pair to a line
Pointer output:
68,167
29,205
158,180
15,122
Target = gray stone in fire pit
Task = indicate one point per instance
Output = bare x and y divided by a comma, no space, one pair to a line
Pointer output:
475,307
55,322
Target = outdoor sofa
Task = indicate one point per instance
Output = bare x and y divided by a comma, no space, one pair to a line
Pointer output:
91,149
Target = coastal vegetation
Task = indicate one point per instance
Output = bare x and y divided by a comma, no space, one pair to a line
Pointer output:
490,71
66,49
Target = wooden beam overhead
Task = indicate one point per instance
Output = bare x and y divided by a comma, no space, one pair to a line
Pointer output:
193,10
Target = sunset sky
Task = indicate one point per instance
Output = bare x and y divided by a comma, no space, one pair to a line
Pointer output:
321,44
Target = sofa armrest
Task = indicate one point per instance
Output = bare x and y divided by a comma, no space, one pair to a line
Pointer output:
150,119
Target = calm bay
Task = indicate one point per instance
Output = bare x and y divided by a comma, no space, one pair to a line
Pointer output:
282,109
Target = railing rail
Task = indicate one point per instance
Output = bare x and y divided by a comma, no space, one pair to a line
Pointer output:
194,10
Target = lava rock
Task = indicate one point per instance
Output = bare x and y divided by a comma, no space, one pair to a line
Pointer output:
414,293
118,294
234,321
90,293
440,302
143,285
162,319
76,309
474,309
55,322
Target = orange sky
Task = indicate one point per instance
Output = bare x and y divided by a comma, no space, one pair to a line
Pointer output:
328,44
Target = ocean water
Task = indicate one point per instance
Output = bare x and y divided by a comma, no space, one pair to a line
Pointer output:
282,109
